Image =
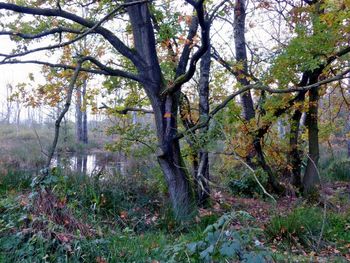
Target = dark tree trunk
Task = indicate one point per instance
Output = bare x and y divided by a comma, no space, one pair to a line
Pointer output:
275,185
294,158
203,189
170,159
241,75
241,57
246,98
311,177
165,113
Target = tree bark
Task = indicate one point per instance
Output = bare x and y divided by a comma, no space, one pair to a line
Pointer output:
294,158
78,116
170,159
165,113
81,115
203,189
85,119
241,57
311,178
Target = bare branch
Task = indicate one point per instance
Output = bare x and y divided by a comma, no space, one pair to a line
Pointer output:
107,34
41,34
104,69
223,104
216,9
205,27
127,109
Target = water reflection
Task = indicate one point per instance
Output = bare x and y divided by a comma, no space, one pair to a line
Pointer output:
92,163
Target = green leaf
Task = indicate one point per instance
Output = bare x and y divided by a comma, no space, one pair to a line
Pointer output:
206,254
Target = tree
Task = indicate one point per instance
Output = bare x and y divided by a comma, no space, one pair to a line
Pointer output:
163,94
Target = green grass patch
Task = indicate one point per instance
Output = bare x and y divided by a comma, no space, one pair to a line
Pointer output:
302,228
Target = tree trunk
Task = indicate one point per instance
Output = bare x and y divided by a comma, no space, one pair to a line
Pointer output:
241,57
294,158
85,120
78,117
275,185
241,74
165,112
203,189
81,115
170,159
311,177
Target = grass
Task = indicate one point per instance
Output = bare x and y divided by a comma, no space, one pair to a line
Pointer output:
131,221
14,181
302,229
21,241
23,147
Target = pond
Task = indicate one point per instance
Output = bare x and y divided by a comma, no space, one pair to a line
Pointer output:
93,163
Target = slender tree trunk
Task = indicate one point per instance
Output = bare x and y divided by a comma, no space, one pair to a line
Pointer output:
275,185
203,189
81,115
241,57
85,120
78,116
246,98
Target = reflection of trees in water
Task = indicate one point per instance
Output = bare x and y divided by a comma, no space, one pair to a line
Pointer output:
91,163
109,163
81,163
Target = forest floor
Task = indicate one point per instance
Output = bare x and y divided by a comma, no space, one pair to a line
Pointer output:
334,198
129,221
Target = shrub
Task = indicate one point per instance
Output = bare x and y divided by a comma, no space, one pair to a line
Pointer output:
339,169
245,184
222,241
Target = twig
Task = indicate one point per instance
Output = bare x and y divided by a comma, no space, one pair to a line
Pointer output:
40,144
256,179
254,175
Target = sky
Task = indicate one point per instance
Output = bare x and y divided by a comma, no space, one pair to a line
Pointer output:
14,74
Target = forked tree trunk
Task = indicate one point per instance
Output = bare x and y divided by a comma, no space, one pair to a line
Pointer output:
170,158
165,109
